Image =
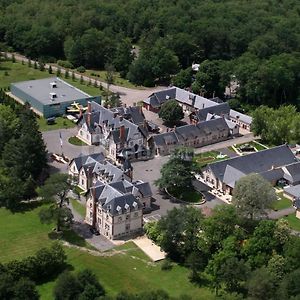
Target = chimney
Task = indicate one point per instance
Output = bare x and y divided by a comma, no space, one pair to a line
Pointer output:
122,133
89,111
80,112
93,192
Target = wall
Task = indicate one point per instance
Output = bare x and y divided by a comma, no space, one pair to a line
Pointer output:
26,98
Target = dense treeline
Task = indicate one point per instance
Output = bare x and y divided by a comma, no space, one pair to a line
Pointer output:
237,257
277,126
259,40
18,278
23,155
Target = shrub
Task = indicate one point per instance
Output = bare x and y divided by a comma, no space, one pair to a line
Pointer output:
166,265
81,69
65,64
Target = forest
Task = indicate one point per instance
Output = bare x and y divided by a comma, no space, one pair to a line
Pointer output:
256,41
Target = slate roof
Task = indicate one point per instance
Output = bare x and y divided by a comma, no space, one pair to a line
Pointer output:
272,175
190,132
158,98
101,117
131,113
82,159
292,172
257,162
144,188
119,194
294,191
122,202
242,117
220,109
166,138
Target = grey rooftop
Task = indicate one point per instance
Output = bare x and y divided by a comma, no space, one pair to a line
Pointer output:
41,89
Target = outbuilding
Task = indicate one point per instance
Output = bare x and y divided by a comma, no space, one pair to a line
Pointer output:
50,97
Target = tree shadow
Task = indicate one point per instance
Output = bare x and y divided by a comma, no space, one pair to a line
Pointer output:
25,206
69,236
2,68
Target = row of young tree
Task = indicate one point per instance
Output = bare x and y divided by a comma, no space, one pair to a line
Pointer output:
23,155
258,38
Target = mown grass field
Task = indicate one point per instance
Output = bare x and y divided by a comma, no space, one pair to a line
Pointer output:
132,271
22,234
282,203
60,123
293,222
118,80
14,72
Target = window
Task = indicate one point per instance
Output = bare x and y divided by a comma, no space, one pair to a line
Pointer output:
120,219
91,204
127,227
136,214
91,214
127,217
82,181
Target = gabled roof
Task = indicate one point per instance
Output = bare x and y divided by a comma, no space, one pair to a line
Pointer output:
242,117
191,132
158,98
219,109
122,202
257,162
144,188
273,175
232,175
292,172
166,138
82,159
102,117
294,191
131,113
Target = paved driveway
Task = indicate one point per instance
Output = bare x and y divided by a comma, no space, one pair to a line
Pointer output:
52,142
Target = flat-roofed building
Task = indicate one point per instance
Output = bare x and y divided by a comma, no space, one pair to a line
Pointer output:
51,96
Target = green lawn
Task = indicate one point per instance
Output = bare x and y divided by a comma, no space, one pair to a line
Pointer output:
80,208
76,141
281,204
89,89
60,123
133,273
293,222
202,159
118,80
14,72
253,144
21,234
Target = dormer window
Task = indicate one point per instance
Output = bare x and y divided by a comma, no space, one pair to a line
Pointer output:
135,205
119,209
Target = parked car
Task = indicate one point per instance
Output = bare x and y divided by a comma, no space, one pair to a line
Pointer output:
51,121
